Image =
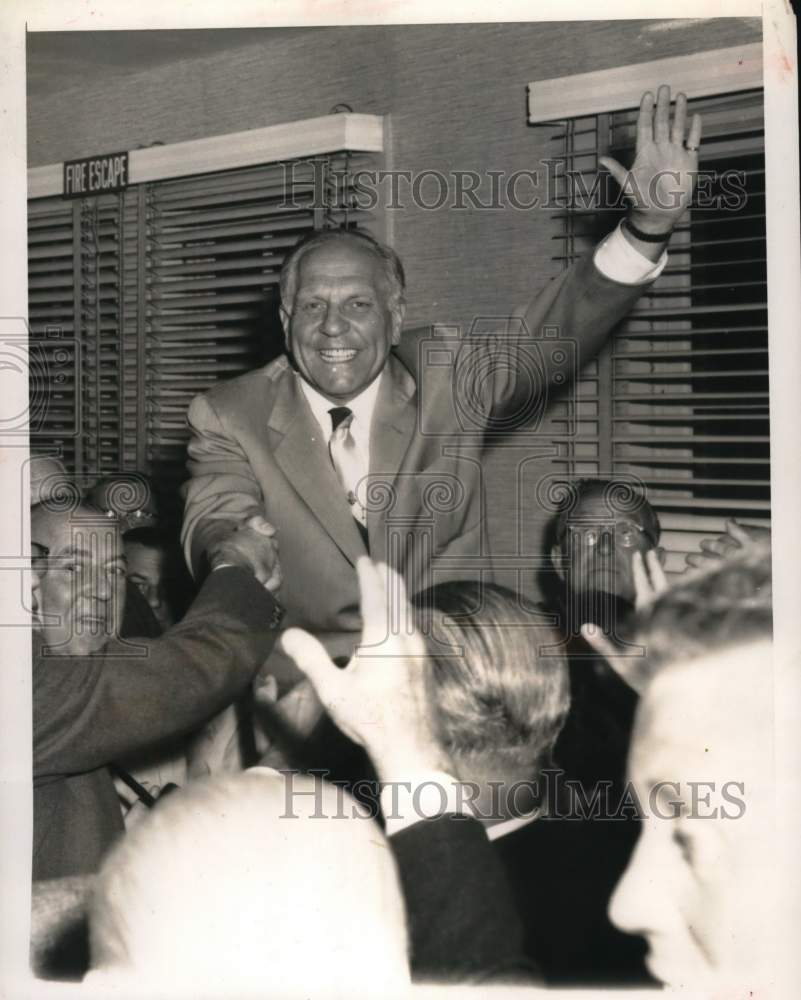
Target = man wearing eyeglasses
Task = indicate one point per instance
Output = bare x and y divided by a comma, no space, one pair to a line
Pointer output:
606,541
98,699
601,527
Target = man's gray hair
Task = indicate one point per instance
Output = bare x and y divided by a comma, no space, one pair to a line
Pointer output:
390,263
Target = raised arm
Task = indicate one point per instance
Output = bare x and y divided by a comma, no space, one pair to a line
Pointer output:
590,298
567,323
463,923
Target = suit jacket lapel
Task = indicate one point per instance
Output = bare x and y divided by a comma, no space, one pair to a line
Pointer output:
394,421
303,455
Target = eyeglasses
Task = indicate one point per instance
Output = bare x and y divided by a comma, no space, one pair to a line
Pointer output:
623,533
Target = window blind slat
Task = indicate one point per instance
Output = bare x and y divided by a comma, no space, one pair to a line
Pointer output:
688,378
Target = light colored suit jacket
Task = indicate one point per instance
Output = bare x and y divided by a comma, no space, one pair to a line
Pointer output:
256,447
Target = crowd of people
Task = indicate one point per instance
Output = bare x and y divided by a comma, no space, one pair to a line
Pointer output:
282,775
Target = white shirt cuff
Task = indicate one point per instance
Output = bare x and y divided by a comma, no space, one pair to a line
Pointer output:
409,800
617,260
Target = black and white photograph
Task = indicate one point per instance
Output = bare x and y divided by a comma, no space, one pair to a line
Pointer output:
400,479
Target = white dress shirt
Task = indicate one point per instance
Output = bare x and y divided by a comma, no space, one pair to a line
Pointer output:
362,407
617,260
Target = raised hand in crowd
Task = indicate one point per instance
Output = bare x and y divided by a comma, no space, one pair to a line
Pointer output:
736,538
252,546
379,698
659,184
649,578
650,582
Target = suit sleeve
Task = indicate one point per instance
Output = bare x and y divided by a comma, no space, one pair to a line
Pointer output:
463,924
222,489
508,365
90,711
555,335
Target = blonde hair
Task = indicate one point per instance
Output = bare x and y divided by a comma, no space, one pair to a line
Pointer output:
500,693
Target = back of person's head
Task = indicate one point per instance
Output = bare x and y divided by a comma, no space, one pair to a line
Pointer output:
258,883
49,479
499,690
728,604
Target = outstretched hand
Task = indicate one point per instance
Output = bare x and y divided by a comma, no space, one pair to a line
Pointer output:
659,185
649,578
736,538
379,698
649,582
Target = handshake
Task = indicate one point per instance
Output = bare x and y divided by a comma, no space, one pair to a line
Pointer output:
253,546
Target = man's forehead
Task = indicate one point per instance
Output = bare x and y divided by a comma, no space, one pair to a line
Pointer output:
76,529
341,261
715,710
599,508
145,556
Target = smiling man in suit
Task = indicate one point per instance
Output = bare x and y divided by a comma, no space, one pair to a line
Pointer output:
351,443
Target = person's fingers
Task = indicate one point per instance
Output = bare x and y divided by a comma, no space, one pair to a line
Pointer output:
273,577
312,659
260,523
401,618
700,560
374,602
266,689
617,170
656,572
662,115
626,667
718,547
642,587
645,120
737,532
679,120
694,138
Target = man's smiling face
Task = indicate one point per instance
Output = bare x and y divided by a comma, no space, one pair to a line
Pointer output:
342,326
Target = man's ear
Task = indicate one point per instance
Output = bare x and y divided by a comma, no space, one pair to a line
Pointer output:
286,321
556,561
398,316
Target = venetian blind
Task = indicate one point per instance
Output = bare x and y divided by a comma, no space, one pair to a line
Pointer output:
679,398
163,290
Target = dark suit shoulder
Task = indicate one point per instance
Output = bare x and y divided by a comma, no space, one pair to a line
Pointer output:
562,873
462,920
